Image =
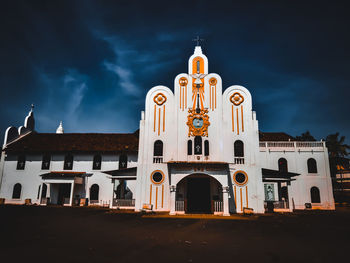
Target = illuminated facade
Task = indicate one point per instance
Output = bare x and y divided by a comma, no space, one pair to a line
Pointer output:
199,150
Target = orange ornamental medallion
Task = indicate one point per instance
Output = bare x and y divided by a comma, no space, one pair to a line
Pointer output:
236,99
198,123
183,81
159,99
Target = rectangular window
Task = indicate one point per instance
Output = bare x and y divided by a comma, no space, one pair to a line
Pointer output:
68,162
45,165
21,162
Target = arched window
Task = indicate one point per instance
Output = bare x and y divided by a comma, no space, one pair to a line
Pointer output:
239,148
123,161
282,165
206,148
189,147
315,195
45,165
311,166
158,148
94,191
17,189
198,145
97,162
68,162
21,162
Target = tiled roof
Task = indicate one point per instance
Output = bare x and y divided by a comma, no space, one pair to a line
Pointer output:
75,142
275,136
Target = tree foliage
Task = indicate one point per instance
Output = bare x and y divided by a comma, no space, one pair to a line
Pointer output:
336,146
306,136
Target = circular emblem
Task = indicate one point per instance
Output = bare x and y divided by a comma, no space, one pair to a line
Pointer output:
159,99
240,178
236,98
197,123
157,177
213,81
183,81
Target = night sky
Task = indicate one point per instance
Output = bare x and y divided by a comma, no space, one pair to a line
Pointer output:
91,63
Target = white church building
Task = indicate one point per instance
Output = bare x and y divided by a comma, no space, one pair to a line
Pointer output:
198,150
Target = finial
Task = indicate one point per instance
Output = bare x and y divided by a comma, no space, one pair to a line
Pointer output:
32,107
60,129
198,40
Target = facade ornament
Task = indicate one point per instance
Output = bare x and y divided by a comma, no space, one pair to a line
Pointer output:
236,99
60,129
198,122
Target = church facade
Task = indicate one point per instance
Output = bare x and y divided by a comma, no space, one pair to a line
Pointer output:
198,150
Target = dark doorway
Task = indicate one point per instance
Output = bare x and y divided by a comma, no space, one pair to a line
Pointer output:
44,191
198,195
63,192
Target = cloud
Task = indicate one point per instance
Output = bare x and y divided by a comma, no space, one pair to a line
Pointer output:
64,98
125,75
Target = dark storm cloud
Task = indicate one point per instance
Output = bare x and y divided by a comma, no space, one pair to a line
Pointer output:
91,63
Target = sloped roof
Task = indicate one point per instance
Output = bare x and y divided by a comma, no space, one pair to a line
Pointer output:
75,142
275,136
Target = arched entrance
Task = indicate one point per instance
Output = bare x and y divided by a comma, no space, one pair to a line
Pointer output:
199,193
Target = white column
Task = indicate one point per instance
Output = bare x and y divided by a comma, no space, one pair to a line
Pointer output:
225,191
111,202
290,203
48,193
172,199
40,192
71,194
87,188
2,164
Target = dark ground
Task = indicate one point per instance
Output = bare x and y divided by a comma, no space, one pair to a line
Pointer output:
65,234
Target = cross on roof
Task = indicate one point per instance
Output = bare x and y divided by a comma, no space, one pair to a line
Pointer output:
198,40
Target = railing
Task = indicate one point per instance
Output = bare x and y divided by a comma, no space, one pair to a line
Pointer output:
292,145
239,160
280,144
180,206
309,144
66,201
279,204
218,206
123,202
157,159
262,144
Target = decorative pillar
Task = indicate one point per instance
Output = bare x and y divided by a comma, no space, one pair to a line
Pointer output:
71,194
225,192
111,202
87,188
172,199
40,192
48,193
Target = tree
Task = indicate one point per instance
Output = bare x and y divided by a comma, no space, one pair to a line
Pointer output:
306,136
336,147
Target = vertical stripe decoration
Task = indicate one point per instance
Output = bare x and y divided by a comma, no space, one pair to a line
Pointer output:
162,195
183,93
212,93
237,117
150,194
159,113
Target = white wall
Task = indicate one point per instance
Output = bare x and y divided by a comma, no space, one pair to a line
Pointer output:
30,178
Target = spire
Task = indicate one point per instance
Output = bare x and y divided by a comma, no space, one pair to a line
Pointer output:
60,129
198,49
32,108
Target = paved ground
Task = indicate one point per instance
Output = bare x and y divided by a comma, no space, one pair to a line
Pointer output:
64,234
